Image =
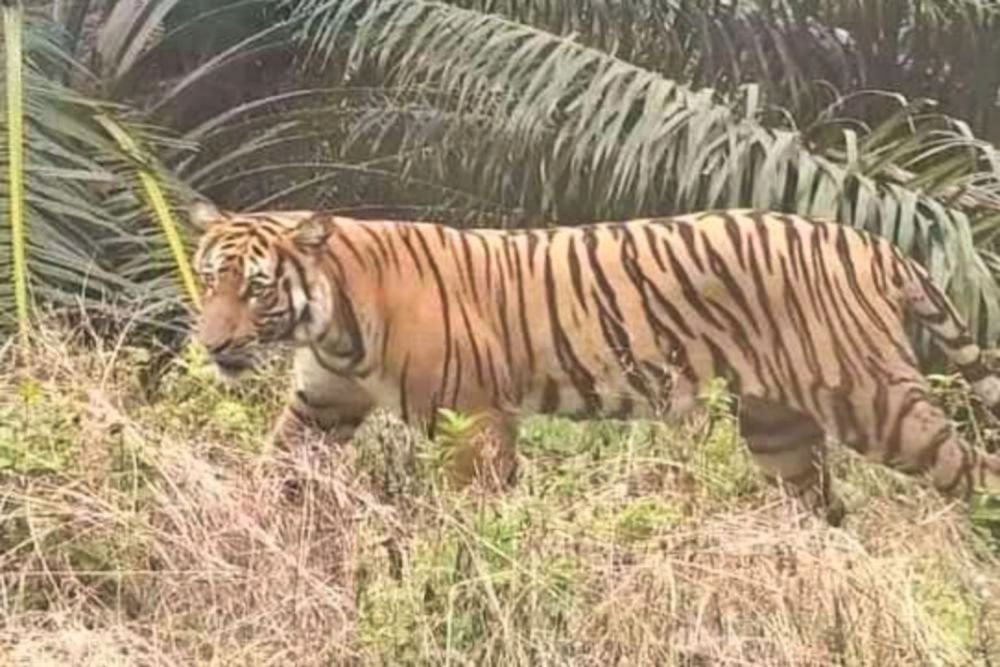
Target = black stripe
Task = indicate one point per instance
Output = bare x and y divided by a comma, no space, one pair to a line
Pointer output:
449,343
404,406
471,337
722,367
736,292
377,237
764,235
470,266
612,323
442,238
581,378
300,272
691,295
394,254
378,265
494,379
529,347
343,238
575,273
735,236
686,231
386,335
405,233
784,357
502,314
349,323
532,247
458,378
653,244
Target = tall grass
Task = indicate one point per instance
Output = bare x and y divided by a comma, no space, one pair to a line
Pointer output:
153,530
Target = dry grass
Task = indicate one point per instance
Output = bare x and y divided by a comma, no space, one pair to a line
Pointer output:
152,531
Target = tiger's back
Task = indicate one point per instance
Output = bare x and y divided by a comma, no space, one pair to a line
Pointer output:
630,319
624,319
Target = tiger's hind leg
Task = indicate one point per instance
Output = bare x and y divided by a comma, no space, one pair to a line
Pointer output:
790,448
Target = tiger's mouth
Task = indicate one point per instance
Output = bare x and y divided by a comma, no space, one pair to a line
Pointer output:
234,364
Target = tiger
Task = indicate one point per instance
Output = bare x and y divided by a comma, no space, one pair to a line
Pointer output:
805,319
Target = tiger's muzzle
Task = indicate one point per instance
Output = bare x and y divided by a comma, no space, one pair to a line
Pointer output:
234,364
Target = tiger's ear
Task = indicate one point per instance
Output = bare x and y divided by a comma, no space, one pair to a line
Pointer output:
311,233
203,214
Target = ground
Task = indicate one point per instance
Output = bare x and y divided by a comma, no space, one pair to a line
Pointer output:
142,527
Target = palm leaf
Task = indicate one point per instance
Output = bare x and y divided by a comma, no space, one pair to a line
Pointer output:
73,241
590,135
12,25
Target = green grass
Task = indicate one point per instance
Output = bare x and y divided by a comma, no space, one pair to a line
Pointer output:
159,528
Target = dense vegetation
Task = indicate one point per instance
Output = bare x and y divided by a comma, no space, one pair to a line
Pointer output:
141,524
153,531
881,114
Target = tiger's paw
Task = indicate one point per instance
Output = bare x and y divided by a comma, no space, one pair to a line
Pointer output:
827,505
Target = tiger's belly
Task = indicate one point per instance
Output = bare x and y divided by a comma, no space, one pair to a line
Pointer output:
664,395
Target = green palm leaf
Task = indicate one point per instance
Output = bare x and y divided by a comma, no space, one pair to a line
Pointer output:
590,135
73,241
12,26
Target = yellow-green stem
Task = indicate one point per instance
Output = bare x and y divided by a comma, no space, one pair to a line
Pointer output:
12,22
154,196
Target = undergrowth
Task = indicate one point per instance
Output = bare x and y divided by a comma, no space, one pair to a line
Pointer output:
141,529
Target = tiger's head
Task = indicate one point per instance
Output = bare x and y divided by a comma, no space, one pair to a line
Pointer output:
255,270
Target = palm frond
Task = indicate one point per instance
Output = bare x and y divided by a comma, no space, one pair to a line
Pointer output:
71,164
12,27
590,135
796,50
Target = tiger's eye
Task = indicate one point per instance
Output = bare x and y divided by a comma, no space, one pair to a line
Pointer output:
256,288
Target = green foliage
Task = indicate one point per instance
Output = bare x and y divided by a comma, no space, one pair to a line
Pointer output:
498,113
39,431
544,125
453,583
948,600
984,513
455,431
81,203
192,396
619,539
643,518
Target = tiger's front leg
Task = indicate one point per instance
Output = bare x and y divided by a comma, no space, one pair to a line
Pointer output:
323,407
300,424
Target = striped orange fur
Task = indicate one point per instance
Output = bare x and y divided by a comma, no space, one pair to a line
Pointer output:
628,319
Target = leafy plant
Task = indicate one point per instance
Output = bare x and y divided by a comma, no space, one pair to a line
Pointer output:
455,432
